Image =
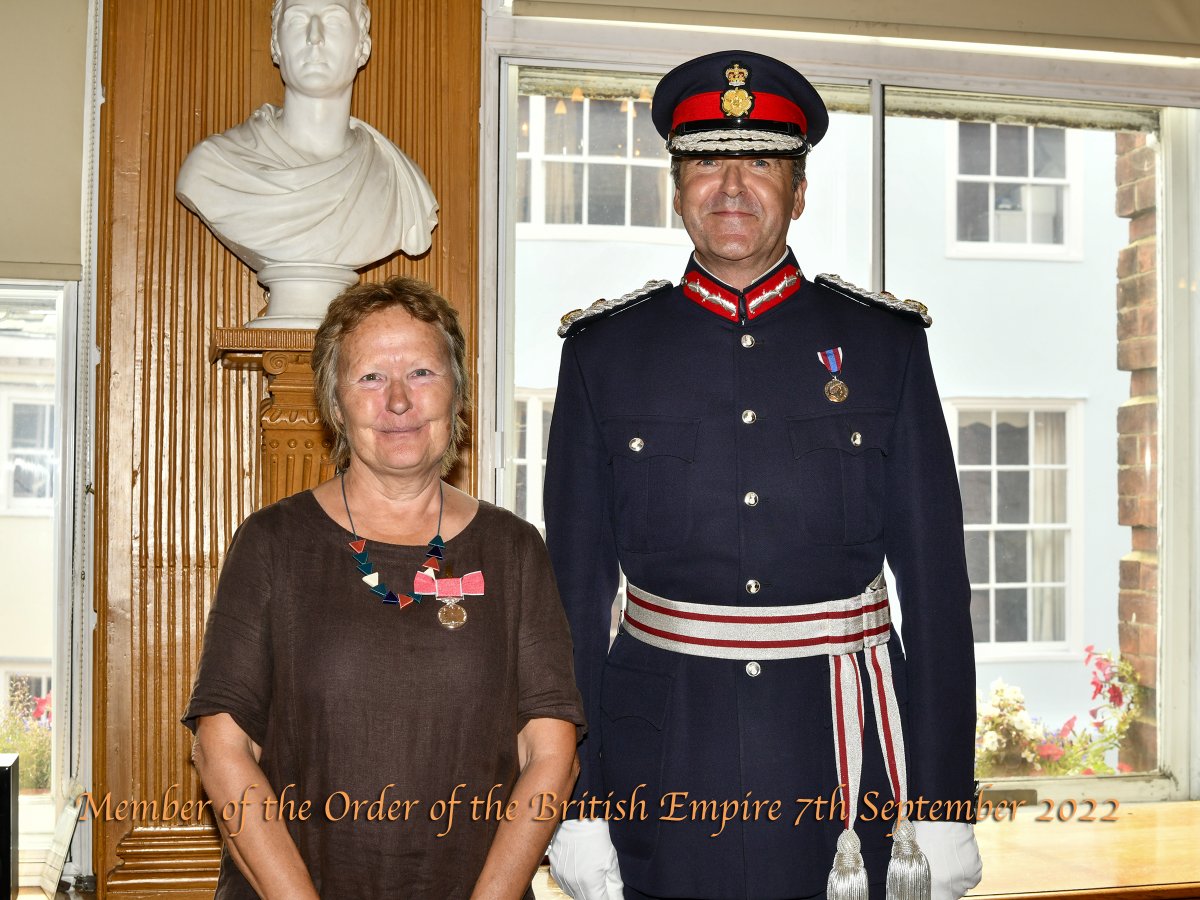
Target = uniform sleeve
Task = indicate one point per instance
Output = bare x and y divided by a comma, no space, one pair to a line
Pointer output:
235,670
924,546
545,677
581,545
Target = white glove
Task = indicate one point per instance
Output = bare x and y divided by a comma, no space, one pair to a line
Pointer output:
584,862
954,863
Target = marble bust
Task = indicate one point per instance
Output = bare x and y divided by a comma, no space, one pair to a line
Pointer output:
304,193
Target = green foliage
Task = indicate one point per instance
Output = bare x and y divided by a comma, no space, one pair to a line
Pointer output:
29,735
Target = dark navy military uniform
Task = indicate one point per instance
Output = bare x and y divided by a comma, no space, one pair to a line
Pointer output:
694,448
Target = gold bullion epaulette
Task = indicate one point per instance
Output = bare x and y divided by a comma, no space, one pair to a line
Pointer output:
882,298
578,319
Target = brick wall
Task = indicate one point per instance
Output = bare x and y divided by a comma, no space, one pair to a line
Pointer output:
1137,434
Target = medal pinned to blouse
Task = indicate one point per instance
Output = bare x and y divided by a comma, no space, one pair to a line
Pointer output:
835,389
450,591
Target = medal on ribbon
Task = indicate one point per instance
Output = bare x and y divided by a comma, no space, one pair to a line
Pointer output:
835,389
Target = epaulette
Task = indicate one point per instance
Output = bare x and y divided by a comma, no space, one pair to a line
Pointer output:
578,319
882,298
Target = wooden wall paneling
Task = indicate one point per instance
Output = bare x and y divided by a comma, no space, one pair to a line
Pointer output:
179,465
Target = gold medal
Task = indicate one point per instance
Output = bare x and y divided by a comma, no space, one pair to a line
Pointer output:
836,390
452,615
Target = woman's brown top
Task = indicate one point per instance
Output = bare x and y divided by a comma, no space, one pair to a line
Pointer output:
353,700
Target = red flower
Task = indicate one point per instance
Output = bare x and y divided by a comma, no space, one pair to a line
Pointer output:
1050,751
1087,772
1091,651
1103,666
1067,728
1124,767
1115,697
1094,711
42,706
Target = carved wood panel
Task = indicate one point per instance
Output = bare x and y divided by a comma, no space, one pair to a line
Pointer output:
178,462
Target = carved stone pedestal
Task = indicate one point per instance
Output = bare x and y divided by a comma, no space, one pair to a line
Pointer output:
295,447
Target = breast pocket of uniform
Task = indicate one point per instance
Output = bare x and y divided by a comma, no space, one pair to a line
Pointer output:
652,461
840,467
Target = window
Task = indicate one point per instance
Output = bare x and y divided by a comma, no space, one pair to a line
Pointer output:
534,411
1016,481
1012,321
591,159
31,417
29,467
1013,190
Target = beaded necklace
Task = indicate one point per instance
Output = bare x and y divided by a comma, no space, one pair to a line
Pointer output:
450,591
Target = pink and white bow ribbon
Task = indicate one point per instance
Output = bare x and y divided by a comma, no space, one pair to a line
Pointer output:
471,583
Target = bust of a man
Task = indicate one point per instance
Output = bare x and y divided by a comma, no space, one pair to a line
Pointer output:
304,193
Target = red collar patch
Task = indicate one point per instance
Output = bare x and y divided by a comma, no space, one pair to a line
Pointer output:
725,302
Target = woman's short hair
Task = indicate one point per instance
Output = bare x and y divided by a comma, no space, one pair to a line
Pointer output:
347,312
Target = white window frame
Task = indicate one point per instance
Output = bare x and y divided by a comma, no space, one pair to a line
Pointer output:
1072,644
1070,250
1029,72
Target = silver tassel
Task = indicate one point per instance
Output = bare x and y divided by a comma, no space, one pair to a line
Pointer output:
908,872
848,879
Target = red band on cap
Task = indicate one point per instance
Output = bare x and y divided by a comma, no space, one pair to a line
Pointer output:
768,107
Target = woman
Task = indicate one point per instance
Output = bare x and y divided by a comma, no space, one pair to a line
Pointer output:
423,717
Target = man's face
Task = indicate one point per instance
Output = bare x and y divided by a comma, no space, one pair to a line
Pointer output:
737,210
320,46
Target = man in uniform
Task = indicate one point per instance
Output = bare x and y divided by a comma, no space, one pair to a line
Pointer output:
749,446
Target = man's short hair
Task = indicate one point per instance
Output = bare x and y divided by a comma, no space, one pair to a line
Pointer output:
799,165
361,12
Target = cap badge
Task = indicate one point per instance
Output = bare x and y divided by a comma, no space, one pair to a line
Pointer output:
737,101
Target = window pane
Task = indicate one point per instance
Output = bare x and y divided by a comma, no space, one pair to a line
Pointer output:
1012,438
564,126
31,477
1049,438
523,124
1049,555
547,415
972,211
522,199
521,498
1050,496
606,194
1012,497
31,425
1049,153
1046,213
1012,150
980,616
976,497
564,193
974,148
648,196
1009,218
974,438
977,557
1049,614
606,128
1011,615
647,143
1011,563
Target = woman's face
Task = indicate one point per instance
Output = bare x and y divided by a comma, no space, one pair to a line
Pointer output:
396,394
